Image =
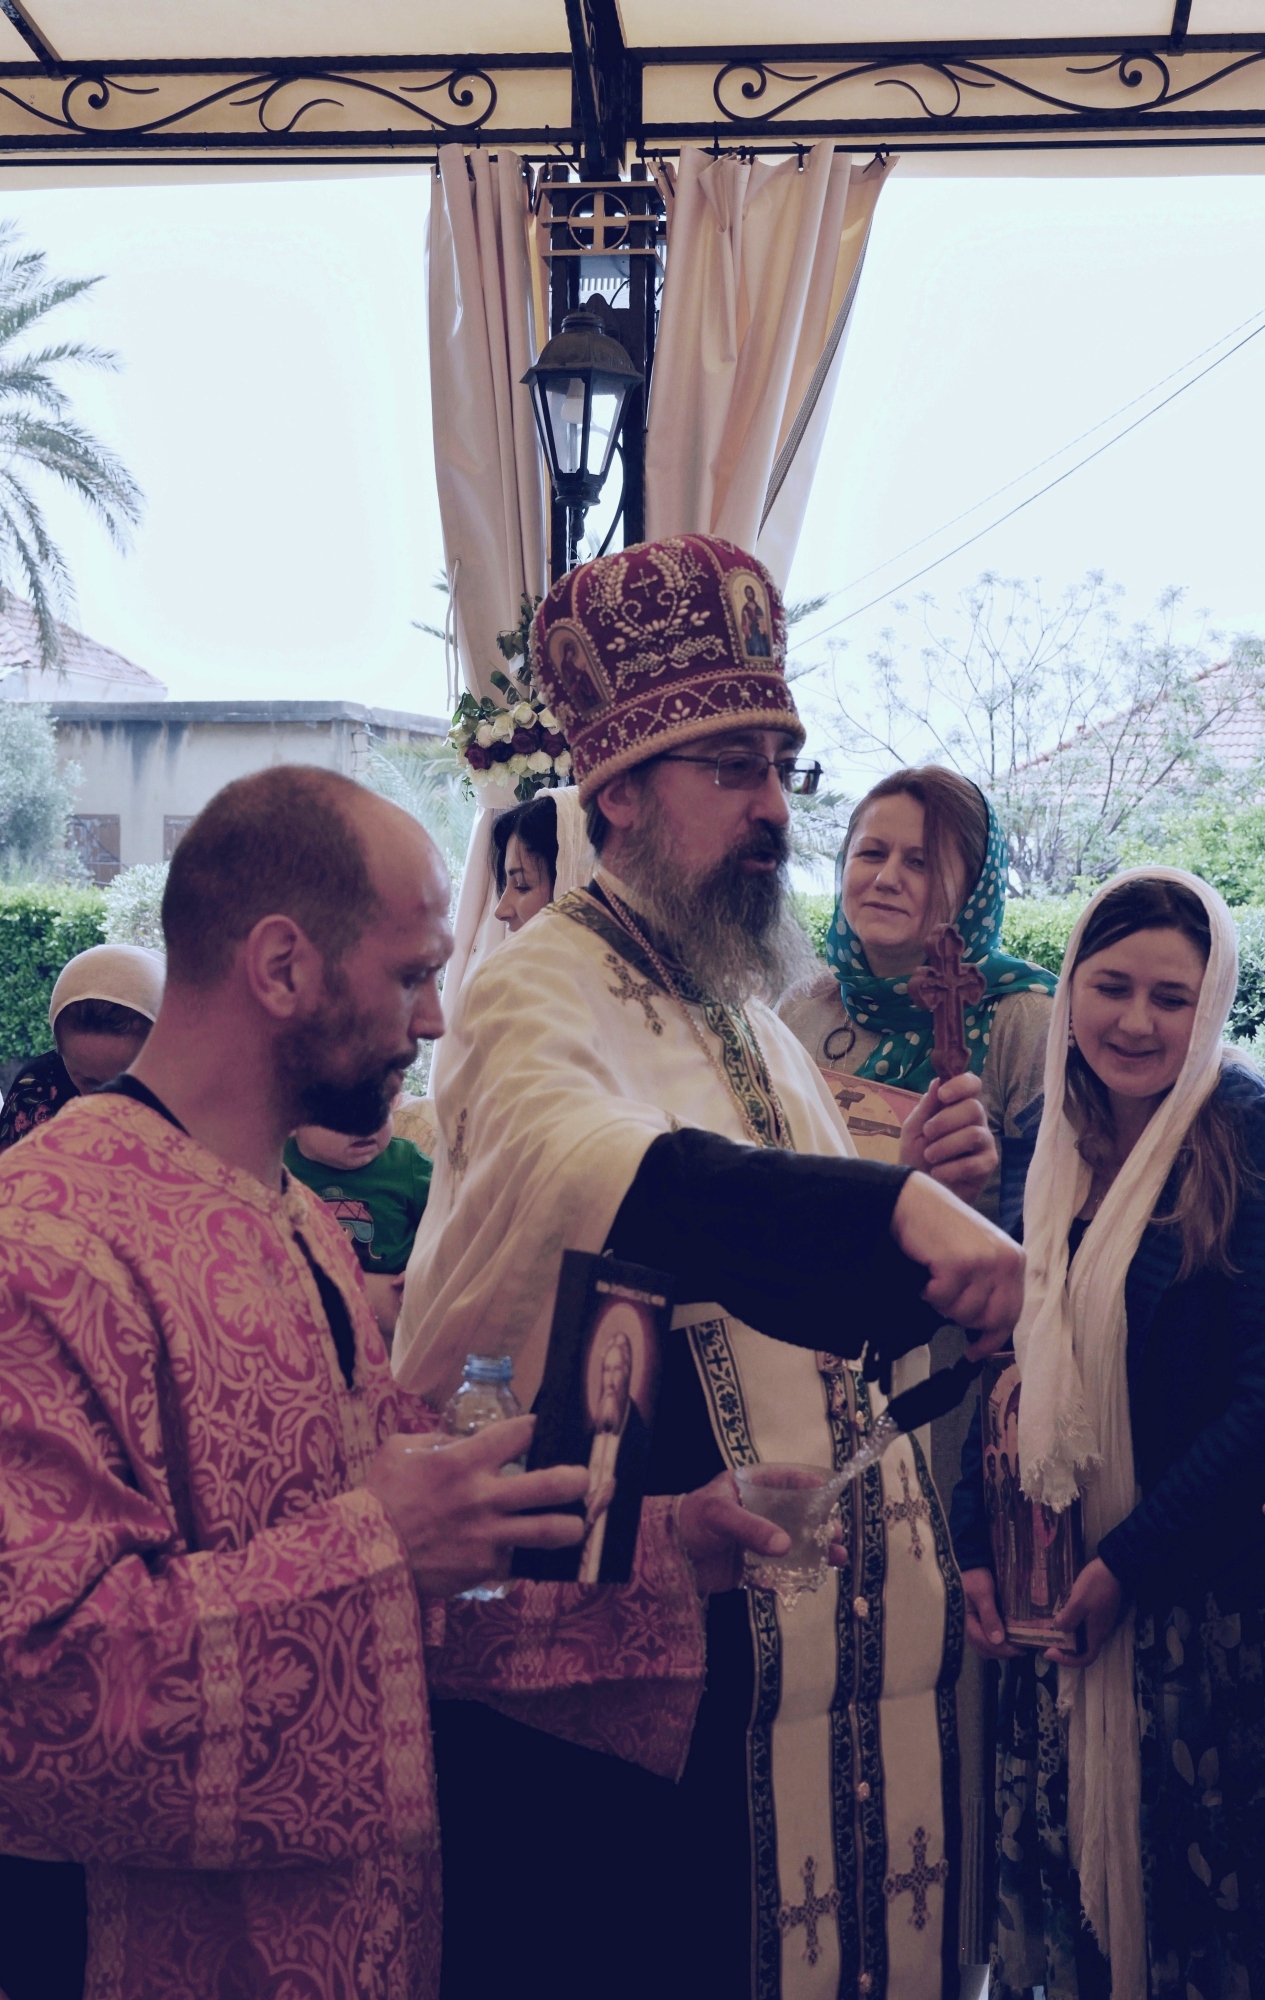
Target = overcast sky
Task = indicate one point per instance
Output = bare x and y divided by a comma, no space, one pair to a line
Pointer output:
273,403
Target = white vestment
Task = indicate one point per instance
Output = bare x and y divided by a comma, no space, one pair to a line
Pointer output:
568,1060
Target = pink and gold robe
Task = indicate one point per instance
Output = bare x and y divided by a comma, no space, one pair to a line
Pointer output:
213,1663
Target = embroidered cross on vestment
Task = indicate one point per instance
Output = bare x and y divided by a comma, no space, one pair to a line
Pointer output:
792,1915
912,1508
641,991
943,986
458,1158
917,1880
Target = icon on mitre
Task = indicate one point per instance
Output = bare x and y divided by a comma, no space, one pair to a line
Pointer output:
750,603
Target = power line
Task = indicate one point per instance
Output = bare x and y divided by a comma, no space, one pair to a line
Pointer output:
1018,508
1049,459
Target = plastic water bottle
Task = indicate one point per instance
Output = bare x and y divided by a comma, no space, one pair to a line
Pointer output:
485,1395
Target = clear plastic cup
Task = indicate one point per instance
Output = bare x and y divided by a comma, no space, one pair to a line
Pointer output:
793,1496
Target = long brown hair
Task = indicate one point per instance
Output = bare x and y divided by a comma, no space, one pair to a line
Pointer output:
955,828
1212,1165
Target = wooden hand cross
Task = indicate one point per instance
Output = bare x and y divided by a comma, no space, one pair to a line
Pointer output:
943,986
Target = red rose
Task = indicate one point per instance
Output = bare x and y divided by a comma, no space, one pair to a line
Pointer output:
554,743
477,757
499,752
524,741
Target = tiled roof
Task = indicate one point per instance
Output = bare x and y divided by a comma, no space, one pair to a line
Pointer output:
81,656
1236,738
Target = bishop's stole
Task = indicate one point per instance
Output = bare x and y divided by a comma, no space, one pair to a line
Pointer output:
567,1061
213,1660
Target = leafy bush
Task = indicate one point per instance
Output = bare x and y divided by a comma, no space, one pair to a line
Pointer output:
1224,843
36,793
814,913
133,905
1038,928
1039,931
40,929
1247,1016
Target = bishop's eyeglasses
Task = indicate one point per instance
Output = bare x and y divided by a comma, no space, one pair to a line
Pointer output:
747,770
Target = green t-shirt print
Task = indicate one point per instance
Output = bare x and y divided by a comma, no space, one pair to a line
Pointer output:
379,1206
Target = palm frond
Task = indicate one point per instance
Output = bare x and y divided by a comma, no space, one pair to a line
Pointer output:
38,435
15,371
81,462
18,312
819,823
426,780
19,378
18,544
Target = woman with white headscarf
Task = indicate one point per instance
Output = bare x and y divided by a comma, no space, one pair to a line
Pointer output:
1131,1776
103,1006
518,863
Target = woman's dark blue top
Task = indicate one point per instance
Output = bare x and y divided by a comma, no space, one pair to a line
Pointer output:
1196,1362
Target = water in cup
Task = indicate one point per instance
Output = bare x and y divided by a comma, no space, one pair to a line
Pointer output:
798,1499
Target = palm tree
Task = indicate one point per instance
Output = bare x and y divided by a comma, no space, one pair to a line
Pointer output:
426,779
38,434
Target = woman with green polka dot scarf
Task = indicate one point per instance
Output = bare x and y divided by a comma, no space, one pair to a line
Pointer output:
923,847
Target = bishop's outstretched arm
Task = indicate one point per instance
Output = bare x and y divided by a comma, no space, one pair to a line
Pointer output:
798,1245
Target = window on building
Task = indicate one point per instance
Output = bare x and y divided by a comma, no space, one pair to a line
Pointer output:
95,839
175,826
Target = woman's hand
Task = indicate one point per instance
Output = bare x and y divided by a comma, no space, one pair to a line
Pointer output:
1094,1603
984,1629
947,1136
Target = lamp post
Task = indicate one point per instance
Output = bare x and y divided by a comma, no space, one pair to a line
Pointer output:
579,387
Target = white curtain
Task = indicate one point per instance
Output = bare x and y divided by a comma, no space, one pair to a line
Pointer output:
762,269
489,472
488,465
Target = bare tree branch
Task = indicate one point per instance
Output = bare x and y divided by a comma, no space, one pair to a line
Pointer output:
1083,734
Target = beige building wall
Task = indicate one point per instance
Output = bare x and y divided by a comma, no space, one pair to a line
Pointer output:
151,764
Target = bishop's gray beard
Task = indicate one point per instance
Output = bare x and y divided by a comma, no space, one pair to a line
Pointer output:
732,932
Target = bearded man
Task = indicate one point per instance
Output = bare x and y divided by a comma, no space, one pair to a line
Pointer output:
617,1079
214,1523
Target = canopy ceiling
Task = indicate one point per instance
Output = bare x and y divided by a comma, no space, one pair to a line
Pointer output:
89,80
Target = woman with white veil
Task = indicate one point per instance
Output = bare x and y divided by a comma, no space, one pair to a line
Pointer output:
1131,1774
479,930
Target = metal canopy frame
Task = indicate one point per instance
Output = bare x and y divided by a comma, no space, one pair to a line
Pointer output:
601,103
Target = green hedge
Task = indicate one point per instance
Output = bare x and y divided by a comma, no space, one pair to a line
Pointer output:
40,928
814,913
1039,930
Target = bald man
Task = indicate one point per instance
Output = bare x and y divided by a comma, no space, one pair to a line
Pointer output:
225,1546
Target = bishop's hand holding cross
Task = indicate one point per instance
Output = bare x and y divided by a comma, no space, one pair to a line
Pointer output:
944,986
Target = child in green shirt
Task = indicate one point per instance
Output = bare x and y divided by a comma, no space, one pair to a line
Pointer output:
377,1188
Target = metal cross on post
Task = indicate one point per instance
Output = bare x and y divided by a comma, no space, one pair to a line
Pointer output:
943,986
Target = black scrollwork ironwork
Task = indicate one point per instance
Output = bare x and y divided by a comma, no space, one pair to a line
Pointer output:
1139,70
89,99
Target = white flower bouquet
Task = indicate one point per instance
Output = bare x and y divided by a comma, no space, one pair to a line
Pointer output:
518,743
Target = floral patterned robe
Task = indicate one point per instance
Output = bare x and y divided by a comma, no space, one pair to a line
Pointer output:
213,1662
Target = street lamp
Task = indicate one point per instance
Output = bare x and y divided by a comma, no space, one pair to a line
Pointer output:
579,387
